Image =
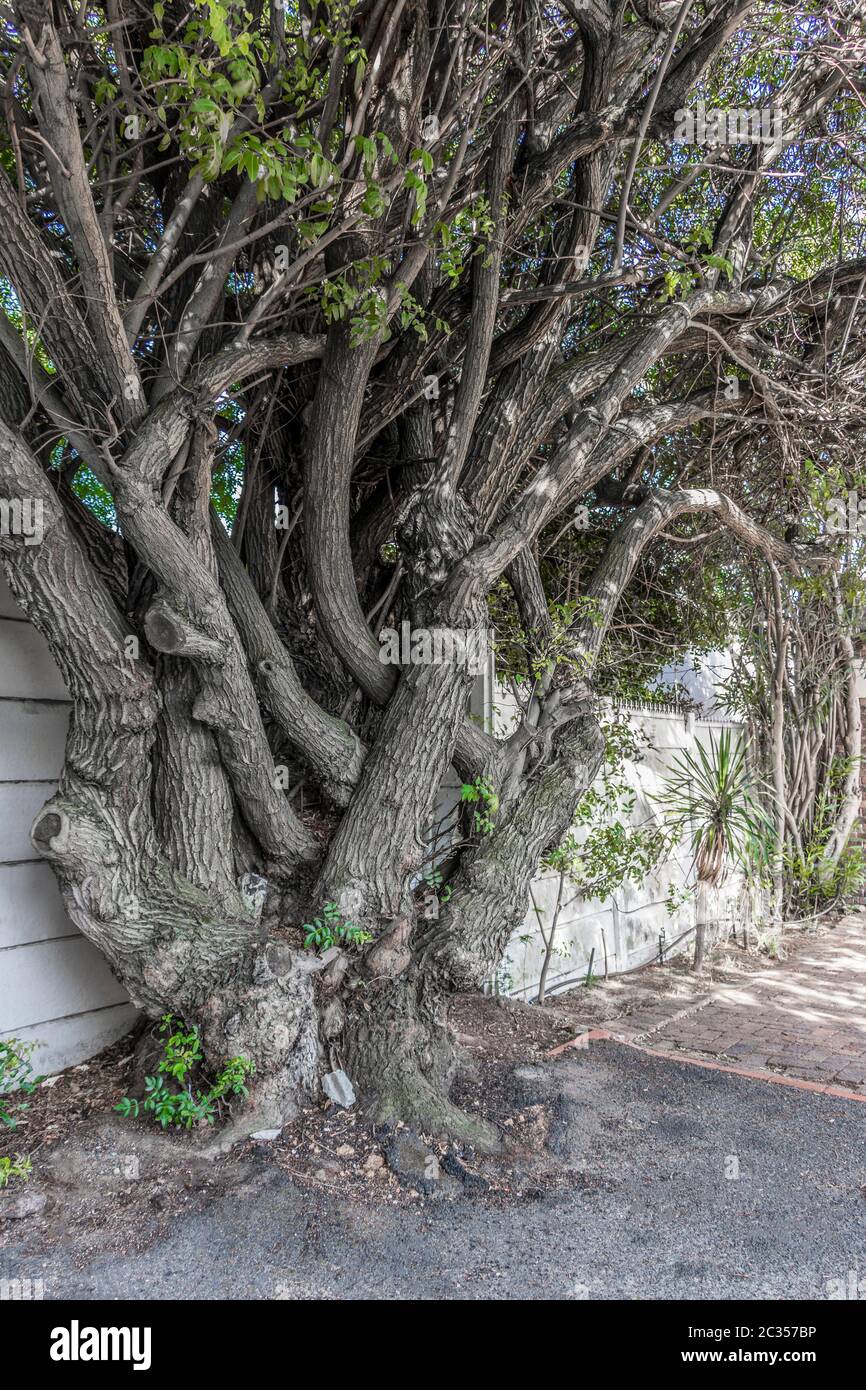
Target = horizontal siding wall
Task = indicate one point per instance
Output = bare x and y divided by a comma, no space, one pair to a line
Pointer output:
55,988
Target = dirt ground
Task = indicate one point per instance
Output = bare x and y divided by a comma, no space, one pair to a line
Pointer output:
103,1183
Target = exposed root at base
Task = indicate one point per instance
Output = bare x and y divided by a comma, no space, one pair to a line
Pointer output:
415,1102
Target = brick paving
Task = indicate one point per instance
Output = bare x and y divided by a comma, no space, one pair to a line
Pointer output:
805,1018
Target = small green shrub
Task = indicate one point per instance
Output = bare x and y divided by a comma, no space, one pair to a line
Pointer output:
17,1167
330,930
16,1081
186,1107
480,794
16,1075
433,879
813,883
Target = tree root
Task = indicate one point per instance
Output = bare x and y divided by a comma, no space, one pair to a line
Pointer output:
414,1101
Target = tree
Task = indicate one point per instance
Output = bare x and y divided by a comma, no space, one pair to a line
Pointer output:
322,317
794,681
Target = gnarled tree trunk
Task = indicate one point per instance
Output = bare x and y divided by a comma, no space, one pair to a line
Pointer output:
342,292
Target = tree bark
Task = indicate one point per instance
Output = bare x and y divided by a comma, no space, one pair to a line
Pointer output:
777,742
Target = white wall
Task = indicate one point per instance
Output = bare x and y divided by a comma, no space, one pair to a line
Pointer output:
625,928
55,988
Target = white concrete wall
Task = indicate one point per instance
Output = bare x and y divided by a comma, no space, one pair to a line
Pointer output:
625,929
55,988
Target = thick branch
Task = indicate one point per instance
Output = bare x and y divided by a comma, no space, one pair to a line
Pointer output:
70,184
647,522
328,746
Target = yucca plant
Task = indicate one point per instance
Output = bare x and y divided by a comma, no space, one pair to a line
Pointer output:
711,798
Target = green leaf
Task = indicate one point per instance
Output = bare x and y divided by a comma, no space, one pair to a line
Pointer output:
719,263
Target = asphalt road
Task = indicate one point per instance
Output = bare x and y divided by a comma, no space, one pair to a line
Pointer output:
659,1211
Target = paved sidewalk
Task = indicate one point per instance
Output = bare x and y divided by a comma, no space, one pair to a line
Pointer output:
804,1019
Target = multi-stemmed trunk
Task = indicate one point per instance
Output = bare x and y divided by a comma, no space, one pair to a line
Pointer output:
212,676
149,834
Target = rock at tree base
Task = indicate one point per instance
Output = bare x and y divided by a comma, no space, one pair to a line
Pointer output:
24,1204
339,1089
410,1158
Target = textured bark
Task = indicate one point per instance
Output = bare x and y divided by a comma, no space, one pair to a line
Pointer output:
167,936
401,1050
491,888
329,746
852,746
777,741
58,123
380,844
